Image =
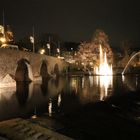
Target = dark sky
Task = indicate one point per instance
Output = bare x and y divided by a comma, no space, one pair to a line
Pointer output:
74,20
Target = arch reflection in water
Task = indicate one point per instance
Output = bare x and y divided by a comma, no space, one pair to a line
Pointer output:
44,87
44,70
22,92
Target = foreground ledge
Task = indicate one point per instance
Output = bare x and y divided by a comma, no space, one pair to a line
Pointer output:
19,129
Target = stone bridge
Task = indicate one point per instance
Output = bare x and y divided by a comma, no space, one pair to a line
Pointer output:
28,66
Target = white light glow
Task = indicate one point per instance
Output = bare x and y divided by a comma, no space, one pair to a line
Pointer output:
105,72
105,82
42,51
3,39
48,46
104,68
59,100
50,108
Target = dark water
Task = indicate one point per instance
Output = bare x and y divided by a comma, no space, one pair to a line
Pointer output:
66,94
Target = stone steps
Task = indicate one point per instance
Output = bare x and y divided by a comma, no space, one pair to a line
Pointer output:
20,129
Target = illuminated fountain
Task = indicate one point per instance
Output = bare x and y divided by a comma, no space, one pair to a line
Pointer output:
104,68
138,53
104,72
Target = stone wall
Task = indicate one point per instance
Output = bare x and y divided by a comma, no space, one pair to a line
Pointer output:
16,63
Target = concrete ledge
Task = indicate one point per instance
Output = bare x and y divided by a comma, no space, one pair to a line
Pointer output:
19,129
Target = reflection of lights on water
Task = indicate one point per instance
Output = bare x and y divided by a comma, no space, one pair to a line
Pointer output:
104,82
31,86
59,100
104,69
50,107
131,82
123,78
74,84
82,82
91,81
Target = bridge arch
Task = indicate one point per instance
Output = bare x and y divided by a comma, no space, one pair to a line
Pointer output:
23,71
44,69
56,69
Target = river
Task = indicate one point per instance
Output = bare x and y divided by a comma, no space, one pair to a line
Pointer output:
67,94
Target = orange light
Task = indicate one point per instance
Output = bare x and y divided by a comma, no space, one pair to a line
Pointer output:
3,39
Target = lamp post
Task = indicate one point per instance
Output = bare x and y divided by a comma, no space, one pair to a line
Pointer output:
32,39
49,47
58,51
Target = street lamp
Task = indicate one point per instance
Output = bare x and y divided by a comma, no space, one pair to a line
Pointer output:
42,51
33,42
2,40
49,48
32,39
58,50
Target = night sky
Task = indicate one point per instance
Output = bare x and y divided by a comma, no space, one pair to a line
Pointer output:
74,20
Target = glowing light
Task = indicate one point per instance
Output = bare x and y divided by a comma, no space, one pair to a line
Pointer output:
104,68
105,83
42,51
74,84
48,46
32,39
58,50
105,72
91,63
50,108
3,39
59,100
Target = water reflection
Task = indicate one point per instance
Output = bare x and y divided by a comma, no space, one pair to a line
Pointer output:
92,88
61,94
22,92
105,85
59,100
34,116
131,82
50,107
44,87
